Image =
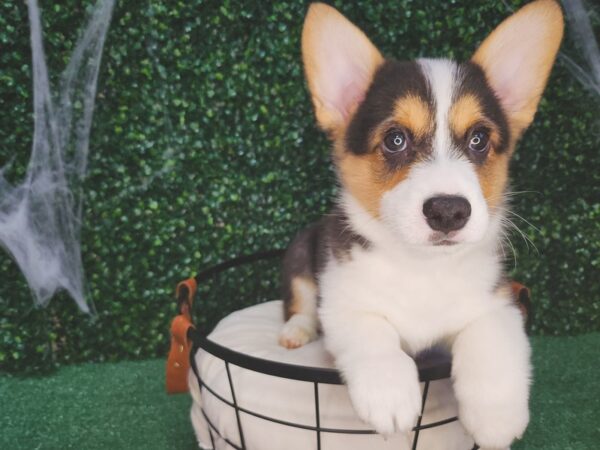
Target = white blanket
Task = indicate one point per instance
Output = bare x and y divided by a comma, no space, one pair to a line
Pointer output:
254,331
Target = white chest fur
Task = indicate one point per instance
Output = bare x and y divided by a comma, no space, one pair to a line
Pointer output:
426,295
424,299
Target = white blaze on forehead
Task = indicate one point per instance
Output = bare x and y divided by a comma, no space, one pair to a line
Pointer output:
441,75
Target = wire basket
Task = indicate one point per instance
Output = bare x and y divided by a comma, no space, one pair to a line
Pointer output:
432,365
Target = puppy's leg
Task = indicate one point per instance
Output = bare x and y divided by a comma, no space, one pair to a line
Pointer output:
491,372
300,290
301,325
382,380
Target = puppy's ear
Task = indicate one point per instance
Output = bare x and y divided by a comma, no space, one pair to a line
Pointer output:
339,62
517,58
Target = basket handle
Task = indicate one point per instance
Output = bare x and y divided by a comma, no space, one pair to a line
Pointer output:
178,361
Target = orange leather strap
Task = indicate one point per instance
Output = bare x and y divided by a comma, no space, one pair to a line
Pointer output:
178,362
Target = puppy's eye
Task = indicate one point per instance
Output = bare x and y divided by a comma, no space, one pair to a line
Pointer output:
479,140
395,141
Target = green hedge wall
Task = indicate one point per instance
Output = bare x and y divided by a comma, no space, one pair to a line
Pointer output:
204,147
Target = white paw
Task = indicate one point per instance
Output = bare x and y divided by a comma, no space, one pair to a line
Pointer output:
386,393
296,332
494,424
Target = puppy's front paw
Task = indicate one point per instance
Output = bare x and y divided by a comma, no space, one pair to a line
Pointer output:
297,331
494,423
386,393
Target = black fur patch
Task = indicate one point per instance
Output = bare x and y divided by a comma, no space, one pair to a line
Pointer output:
472,80
393,80
339,236
307,254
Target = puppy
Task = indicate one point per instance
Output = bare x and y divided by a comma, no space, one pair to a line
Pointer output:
411,256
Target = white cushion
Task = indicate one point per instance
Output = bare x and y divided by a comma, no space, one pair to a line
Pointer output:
254,331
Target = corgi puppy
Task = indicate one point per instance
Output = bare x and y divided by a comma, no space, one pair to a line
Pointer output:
411,255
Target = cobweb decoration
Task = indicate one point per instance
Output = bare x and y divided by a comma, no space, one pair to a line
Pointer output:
580,25
40,219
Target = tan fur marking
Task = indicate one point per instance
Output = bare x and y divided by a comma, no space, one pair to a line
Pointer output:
465,113
298,287
413,113
366,177
493,175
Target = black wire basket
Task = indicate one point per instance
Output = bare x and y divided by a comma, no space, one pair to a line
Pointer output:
432,365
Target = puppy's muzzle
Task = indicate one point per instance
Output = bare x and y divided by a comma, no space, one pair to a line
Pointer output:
447,213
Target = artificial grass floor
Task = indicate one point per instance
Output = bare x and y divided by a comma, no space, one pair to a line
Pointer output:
124,406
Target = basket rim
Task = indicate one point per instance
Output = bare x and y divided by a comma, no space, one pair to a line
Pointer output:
434,364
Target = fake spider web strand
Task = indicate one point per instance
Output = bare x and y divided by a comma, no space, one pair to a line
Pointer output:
580,25
40,219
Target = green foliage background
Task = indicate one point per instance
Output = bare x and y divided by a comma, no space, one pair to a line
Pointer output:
204,147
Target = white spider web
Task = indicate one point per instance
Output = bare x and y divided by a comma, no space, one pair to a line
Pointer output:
40,218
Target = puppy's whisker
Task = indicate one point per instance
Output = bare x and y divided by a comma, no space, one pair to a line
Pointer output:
507,240
515,193
507,197
501,246
524,220
509,212
526,238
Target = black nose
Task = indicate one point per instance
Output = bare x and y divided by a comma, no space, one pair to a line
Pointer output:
447,212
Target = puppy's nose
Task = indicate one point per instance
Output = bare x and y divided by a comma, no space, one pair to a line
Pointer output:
447,212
